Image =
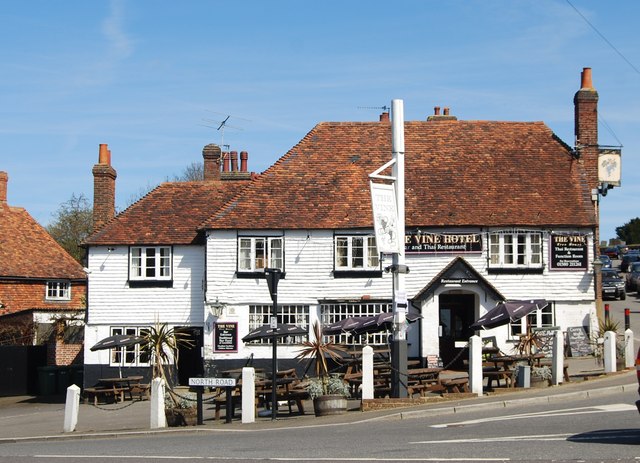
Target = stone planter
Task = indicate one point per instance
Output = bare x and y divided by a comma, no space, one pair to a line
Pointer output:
539,382
181,416
330,405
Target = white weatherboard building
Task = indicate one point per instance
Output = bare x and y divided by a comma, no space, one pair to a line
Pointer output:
494,211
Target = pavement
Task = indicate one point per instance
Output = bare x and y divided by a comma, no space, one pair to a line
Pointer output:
25,418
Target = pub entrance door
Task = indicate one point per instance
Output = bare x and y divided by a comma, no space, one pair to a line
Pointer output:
457,313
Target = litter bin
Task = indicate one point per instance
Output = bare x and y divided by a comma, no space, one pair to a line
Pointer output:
47,380
77,375
63,380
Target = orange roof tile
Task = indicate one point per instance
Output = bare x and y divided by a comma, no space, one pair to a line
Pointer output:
28,251
457,173
169,214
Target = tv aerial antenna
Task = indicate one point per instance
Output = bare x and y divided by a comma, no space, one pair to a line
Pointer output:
384,108
222,124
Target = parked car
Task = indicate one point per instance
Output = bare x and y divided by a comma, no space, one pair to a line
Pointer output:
613,285
627,259
606,261
622,250
611,251
631,278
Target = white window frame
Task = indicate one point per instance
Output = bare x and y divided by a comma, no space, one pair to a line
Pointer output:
298,315
540,318
58,290
346,256
133,356
145,265
517,249
255,253
333,312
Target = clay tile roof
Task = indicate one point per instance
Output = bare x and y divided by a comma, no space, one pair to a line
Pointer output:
169,214
457,173
28,251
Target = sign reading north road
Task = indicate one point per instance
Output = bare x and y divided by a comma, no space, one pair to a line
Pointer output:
212,382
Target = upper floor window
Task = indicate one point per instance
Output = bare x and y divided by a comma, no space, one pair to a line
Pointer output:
58,291
150,263
357,252
257,253
517,249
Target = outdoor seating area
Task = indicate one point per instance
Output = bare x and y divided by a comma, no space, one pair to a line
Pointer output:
113,390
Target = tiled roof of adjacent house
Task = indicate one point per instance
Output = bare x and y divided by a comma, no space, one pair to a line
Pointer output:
169,214
28,251
457,173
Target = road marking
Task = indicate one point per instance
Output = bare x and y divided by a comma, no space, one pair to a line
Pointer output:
562,412
540,437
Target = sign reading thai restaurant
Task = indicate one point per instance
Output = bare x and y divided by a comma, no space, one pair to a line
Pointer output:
568,252
225,337
423,243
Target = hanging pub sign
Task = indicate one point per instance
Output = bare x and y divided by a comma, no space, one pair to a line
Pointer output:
385,217
568,252
610,166
225,337
427,243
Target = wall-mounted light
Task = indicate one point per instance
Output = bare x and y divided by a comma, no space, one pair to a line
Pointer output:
217,308
111,249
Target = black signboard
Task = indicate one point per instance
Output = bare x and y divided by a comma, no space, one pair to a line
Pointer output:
225,337
568,252
428,243
578,340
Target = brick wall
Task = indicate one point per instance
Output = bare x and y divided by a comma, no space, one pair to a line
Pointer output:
18,295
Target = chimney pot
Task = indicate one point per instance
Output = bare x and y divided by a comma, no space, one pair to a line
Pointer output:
446,111
436,111
244,156
384,117
234,161
104,155
225,162
586,83
4,180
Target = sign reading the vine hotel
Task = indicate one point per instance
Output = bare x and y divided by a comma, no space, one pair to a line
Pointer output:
422,243
568,252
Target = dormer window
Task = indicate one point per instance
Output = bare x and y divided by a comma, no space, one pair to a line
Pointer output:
59,290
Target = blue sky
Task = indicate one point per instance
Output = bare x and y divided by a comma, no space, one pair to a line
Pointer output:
144,75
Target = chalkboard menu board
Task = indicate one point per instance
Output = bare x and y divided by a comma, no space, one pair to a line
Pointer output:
225,337
578,340
568,252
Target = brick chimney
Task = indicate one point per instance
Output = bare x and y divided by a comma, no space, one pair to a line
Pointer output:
384,117
104,188
586,126
212,155
438,117
234,161
244,159
4,179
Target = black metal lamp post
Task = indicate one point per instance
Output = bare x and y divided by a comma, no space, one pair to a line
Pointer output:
273,276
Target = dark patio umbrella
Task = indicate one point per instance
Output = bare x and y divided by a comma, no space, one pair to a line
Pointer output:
506,312
265,331
368,324
117,340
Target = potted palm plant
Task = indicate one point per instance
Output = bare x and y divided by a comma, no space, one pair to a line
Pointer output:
162,344
328,392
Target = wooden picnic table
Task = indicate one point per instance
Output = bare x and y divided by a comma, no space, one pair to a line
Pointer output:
116,387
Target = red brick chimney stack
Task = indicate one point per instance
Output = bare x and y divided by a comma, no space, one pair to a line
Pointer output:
586,125
212,155
384,117
104,188
4,179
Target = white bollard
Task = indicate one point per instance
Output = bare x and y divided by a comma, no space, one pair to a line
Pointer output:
248,395
557,363
71,408
475,365
158,418
609,351
629,349
367,372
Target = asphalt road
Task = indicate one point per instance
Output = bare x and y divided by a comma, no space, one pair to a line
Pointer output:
603,428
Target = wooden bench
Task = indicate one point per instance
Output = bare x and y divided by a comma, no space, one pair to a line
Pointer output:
143,391
105,393
497,375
